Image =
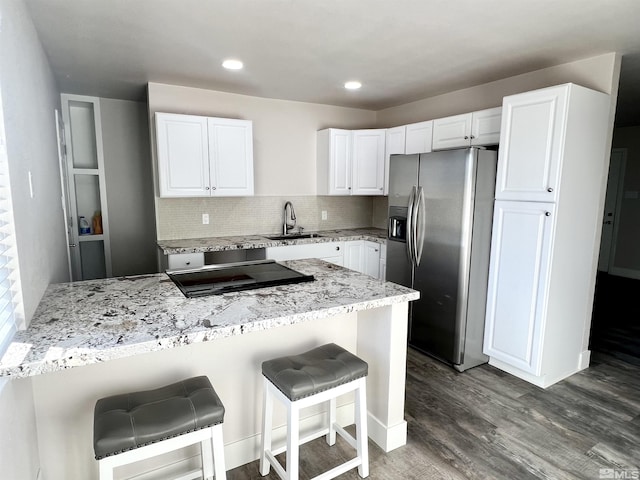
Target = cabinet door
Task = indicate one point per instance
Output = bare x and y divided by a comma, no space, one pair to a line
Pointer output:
394,145
531,139
333,162
180,261
183,155
485,126
452,132
231,157
368,162
419,137
353,255
371,257
518,283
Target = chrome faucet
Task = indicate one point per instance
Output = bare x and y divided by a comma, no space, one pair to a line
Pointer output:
286,226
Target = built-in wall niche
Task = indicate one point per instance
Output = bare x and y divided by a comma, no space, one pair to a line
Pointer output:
83,137
82,169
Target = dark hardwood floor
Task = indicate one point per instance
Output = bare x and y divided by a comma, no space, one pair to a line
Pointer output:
485,424
615,326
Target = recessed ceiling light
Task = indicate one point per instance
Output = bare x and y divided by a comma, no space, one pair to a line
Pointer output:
231,64
352,85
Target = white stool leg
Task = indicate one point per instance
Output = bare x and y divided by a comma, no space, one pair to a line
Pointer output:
331,436
361,428
218,452
267,418
206,451
293,439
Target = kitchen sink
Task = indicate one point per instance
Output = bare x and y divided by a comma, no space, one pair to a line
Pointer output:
292,236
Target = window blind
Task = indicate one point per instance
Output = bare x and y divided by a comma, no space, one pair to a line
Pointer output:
10,291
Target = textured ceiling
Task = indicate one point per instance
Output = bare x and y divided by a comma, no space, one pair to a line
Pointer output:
401,50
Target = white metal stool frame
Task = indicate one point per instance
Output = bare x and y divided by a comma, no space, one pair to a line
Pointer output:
211,445
267,455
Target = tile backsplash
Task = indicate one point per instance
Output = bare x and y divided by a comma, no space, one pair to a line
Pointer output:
182,217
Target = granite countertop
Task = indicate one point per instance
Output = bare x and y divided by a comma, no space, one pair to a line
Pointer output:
241,242
94,321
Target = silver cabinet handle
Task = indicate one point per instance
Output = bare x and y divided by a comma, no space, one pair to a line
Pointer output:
187,263
376,250
549,189
337,248
547,214
466,137
213,188
206,188
72,245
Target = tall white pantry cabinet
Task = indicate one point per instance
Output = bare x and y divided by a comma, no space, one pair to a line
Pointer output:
546,225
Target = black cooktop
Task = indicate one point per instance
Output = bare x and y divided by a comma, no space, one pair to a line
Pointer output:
232,277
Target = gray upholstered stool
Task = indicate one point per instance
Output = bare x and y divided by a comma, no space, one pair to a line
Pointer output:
299,381
135,426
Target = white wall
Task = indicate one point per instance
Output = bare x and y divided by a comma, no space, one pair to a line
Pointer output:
284,132
128,178
594,72
284,150
29,97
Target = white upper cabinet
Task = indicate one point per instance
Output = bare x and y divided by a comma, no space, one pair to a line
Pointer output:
368,162
466,130
405,140
183,155
230,157
350,162
531,144
204,156
334,162
485,127
418,137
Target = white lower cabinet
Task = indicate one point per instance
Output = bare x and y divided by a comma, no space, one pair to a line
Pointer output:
371,259
363,256
180,261
359,255
329,251
518,279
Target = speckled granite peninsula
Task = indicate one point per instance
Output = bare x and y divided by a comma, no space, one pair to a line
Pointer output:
96,338
95,321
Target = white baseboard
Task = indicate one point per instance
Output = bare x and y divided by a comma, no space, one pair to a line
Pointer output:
387,438
584,360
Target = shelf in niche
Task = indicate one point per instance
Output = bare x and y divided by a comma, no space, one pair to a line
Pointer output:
85,171
90,238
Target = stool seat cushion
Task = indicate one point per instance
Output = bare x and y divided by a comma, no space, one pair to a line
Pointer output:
131,420
323,368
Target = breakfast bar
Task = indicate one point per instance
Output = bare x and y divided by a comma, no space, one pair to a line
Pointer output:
101,337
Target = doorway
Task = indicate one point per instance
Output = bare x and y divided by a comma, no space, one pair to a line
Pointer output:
614,329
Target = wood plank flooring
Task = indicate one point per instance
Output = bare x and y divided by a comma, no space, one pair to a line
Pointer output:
486,424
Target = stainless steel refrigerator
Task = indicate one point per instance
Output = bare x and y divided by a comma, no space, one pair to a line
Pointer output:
439,238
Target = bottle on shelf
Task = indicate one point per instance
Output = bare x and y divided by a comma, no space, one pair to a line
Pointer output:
97,223
85,229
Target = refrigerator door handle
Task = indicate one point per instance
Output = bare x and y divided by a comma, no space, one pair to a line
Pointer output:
419,225
411,226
